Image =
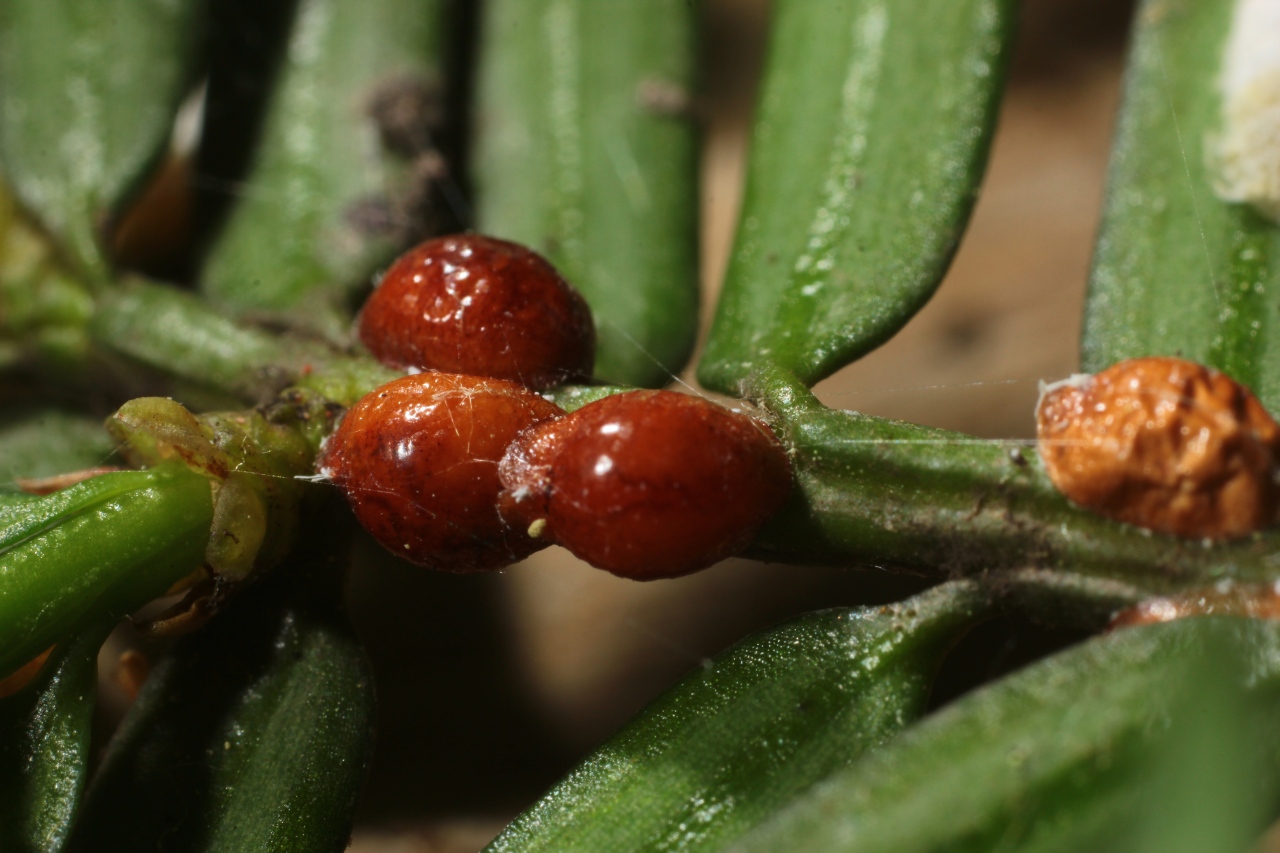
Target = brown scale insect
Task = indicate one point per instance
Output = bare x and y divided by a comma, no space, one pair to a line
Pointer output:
1164,444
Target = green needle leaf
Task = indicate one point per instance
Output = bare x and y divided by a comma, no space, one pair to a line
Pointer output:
1178,270
88,93
870,140
43,311
44,746
1058,756
101,548
762,722
586,151
181,335
304,224
253,734
45,442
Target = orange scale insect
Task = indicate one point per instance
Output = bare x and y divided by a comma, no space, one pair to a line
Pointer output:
1165,444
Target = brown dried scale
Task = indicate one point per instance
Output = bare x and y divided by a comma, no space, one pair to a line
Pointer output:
1249,601
1164,444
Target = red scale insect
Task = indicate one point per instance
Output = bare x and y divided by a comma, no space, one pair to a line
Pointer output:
418,462
646,484
475,305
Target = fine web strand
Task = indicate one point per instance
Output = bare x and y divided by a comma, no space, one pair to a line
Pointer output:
640,348
943,386
978,383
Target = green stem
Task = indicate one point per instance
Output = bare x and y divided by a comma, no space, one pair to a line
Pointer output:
869,491
182,336
50,317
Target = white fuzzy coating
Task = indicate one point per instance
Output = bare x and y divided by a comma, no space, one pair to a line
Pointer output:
1247,151
1075,380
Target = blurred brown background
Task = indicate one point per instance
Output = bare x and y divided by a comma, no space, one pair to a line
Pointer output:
492,686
